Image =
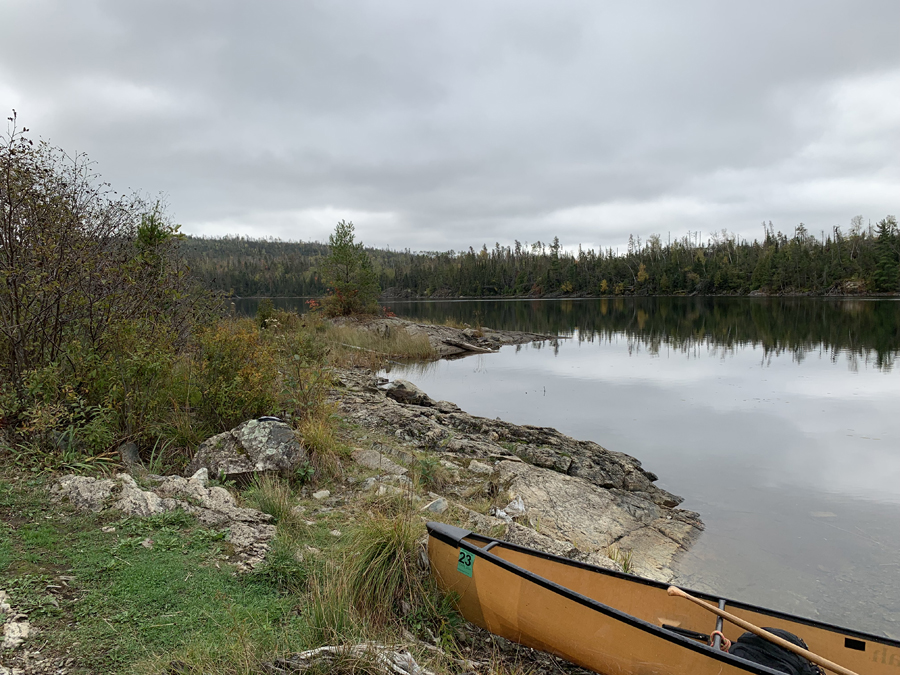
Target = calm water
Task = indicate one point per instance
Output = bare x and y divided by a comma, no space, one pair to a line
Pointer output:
778,420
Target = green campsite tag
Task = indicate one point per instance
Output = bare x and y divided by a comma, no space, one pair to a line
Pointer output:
466,560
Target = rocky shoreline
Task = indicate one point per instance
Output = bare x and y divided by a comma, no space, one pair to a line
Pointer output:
572,497
569,497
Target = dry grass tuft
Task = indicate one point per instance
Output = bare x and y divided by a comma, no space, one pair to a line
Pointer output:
372,348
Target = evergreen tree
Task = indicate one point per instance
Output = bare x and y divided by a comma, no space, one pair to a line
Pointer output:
887,270
349,275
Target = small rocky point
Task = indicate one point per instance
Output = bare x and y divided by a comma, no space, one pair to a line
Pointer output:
448,341
564,496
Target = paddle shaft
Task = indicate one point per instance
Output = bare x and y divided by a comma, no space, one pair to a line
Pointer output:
781,642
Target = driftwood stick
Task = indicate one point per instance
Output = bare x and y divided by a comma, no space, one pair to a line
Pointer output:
468,347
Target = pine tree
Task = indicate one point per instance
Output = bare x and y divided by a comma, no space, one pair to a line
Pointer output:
348,273
887,270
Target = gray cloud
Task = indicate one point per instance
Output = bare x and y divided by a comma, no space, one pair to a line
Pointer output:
437,126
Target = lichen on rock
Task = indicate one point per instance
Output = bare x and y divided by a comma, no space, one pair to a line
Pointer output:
255,446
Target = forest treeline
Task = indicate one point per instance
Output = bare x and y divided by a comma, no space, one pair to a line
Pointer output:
864,259
858,329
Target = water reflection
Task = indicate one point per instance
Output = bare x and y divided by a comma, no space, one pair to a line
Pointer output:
863,331
786,443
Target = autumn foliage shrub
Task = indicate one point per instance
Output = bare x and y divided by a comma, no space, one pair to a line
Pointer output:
237,374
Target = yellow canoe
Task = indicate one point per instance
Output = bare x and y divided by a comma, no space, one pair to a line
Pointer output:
615,623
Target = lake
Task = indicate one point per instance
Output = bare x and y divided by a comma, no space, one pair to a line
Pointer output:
777,419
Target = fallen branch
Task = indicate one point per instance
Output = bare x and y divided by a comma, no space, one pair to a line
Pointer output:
468,347
392,660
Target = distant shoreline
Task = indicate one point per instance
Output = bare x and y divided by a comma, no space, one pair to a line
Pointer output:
581,296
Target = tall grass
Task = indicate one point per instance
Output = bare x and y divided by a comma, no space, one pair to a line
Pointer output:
357,345
383,570
388,586
273,496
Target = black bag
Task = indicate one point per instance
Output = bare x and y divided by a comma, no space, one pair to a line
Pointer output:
759,650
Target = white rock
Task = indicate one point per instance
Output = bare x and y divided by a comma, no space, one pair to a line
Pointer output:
244,536
84,492
322,494
479,467
137,502
15,633
372,459
516,507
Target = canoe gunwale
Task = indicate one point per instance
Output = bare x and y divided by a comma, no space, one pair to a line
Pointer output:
454,536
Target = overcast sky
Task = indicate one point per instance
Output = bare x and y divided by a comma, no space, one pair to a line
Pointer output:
447,125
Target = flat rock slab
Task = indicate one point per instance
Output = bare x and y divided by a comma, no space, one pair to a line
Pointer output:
372,459
591,518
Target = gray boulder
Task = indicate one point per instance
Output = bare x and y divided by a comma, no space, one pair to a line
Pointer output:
406,392
256,446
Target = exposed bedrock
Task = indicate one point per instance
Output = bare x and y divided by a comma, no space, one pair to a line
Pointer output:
585,498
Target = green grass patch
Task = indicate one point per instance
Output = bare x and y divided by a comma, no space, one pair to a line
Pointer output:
131,600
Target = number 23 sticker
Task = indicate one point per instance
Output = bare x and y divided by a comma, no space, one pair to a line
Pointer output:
466,561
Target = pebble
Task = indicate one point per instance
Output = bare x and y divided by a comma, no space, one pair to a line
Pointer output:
322,494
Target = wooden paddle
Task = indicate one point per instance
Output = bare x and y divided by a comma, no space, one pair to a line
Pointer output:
790,646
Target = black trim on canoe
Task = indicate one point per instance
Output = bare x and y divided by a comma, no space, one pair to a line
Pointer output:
454,536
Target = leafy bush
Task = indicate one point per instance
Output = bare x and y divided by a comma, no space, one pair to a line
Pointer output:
95,304
236,371
77,259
